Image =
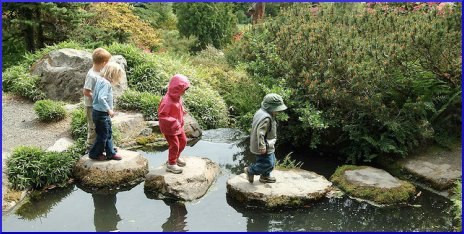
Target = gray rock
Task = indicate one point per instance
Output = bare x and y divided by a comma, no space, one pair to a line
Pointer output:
111,173
191,184
223,135
62,74
154,125
146,132
61,144
191,127
129,124
373,177
438,168
294,188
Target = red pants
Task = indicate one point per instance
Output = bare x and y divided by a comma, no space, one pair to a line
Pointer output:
176,146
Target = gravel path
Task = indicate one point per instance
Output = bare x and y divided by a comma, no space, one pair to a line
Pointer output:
20,126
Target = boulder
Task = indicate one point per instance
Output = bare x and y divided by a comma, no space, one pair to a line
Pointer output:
129,124
372,184
111,173
191,184
294,188
154,125
61,144
62,74
191,127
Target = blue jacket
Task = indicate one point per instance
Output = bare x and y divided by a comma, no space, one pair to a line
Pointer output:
102,95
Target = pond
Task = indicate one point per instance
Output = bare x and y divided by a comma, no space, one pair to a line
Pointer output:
72,209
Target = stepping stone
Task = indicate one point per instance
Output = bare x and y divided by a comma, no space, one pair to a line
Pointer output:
61,144
111,173
191,184
372,184
293,188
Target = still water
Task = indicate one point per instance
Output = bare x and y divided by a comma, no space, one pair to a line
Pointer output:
72,209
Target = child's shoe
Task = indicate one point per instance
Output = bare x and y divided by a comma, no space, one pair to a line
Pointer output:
267,179
100,157
116,157
181,162
173,169
250,177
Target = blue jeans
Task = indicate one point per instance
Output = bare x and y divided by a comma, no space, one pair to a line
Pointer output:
264,165
104,141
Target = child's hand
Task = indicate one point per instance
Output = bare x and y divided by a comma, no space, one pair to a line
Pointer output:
262,151
111,113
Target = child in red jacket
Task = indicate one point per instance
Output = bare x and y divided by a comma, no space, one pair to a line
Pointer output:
171,121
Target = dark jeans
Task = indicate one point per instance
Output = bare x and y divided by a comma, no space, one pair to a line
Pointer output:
104,141
264,165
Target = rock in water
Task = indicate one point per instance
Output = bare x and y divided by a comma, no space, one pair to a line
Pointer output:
293,188
372,184
191,184
111,173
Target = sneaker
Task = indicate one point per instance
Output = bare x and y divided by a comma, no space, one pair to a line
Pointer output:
250,177
181,162
100,157
116,157
173,169
267,179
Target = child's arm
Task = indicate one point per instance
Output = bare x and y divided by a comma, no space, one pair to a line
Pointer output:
163,115
87,92
103,98
262,129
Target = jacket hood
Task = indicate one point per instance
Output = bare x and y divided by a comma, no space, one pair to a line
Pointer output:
177,85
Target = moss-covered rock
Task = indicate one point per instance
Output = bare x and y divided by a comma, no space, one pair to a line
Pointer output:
372,184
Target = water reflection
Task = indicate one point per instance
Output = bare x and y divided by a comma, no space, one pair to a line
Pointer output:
106,215
41,203
176,220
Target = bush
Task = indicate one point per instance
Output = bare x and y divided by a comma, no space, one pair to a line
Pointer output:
140,101
78,124
213,23
31,167
49,110
17,79
457,201
207,107
398,70
174,43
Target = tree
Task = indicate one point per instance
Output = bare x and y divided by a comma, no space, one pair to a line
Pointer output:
31,26
212,23
158,14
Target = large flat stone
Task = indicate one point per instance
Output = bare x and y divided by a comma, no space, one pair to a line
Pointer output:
294,188
191,184
374,177
438,167
111,173
129,124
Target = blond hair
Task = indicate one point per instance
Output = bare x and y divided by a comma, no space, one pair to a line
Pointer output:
100,56
113,72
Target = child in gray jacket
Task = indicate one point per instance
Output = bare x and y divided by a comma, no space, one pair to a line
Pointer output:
263,137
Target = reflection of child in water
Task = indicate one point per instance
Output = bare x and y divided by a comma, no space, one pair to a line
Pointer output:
176,221
106,215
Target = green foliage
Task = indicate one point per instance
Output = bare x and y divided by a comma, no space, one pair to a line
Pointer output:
144,102
207,106
33,25
17,79
78,124
288,163
174,43
457,201
49,110
35,168
158,14
399,71
393,195
213,23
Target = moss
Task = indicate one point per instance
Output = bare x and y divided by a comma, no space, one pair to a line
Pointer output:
394,195
144,140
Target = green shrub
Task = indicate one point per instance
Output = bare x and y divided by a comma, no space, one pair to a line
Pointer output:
49,110
78,124
18,80
140,101
174,43
31,167
207,107
399,71
457,201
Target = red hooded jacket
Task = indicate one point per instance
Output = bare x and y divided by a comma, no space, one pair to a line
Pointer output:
170,111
